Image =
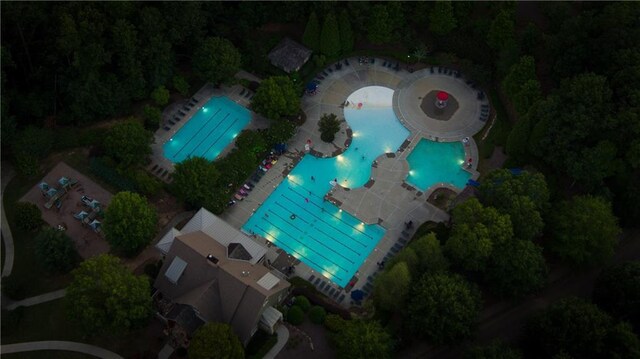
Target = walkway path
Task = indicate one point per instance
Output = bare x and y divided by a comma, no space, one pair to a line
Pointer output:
283,337
7,175
42,298
59,345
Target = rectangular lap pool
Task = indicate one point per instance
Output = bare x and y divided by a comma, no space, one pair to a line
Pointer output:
208,131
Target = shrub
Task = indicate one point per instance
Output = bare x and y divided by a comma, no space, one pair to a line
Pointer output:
99,167
181,85
317,314
28,216
334,323
329,126
303,303
56,251
295,315
152,116
145,184
160,95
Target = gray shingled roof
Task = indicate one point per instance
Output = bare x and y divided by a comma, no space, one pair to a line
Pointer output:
289,55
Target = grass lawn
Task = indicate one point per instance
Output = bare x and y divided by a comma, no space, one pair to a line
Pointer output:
48,321
498,133
28,277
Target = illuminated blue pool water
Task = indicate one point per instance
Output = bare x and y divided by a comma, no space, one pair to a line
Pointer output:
208,131
295,216
437,162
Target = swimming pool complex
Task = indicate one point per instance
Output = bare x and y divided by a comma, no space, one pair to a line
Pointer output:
208,131
437,162
296,217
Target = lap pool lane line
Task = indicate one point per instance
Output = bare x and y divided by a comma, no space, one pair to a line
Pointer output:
206,137
192,137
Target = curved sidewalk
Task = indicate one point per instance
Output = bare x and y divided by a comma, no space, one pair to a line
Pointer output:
283,337
7,237
42,298
59,345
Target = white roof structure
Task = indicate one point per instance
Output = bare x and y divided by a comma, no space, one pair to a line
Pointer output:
164,244
268,281
175,270
270,316
221,231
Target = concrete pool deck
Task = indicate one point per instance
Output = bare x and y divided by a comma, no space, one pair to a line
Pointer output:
387,199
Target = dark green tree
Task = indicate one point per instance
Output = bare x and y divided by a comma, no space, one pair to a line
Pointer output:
215,341
216,60
152,117
431,259
28,216
617,291
317,314
584,231
579,329
280,132
56,250
157,54
128,143
129,223
379,26
193,181
523,197
276,97
127,58
391,287
33,142
328,126
495,350
105,297
295,315
521,84
330,36
346,33
303,303
311,36
443,308
362,339
408,256
252,141
517,269
181,85
475,232
442,19
160,95
502,31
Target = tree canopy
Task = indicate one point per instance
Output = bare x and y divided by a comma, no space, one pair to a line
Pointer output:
362,339
442,308
276,97
502,31
128,143
330,36
517,268
523,197
329,125
579,329
431,259
56,250
104,297
215,341
442,19
584,231
522,84
129,223
617,291
495,350
192,181
391,287
311,36
475,232
346,32
216,60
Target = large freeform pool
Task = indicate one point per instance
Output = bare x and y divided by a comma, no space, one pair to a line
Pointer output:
208,131
296,217
437,162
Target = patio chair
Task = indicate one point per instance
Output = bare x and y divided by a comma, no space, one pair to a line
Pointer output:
384,64
341,298
195,99
166,128
439,70
332,291
316,282
171,122
346,62
312,278
322,284
242,92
